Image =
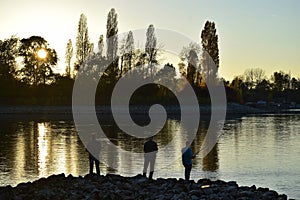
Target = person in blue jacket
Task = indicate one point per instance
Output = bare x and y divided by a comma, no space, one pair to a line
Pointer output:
187,156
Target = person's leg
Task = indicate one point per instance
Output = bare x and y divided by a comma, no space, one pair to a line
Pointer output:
97,163
185,172
150,175
188,169
91,161
146,163
152,163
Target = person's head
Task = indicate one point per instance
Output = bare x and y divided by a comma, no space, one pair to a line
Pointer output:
150,138
93,136
188,143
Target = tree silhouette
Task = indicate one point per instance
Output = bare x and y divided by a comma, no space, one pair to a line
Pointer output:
83,45
8,55
112,72
127,53
151,49
209,40
36,70
111,35
69,55
281,81
190,54
100,46
253,77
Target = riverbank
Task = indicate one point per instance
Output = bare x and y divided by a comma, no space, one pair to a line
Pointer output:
138,187
232,109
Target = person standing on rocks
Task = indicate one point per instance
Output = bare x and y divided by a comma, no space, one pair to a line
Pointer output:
150,150
93,148
187,156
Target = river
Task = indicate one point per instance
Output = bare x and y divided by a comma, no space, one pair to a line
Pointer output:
261,150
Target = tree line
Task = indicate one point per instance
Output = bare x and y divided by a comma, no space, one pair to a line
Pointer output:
28,78
254,86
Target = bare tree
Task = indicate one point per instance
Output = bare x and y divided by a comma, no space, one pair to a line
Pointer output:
254,76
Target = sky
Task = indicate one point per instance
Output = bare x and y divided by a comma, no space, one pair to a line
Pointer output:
252,34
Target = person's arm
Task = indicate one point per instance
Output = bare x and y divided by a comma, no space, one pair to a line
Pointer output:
191,154
156,148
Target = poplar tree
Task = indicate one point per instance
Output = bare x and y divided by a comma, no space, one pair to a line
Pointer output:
112,35
83,46
69,55
209,40
151,49
127,52
100,46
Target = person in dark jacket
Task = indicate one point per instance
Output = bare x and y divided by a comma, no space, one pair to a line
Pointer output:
150,150
93,148
187,156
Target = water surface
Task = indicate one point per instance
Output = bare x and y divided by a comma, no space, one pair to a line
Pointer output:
255,150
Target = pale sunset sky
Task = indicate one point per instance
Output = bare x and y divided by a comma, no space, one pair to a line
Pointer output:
256,33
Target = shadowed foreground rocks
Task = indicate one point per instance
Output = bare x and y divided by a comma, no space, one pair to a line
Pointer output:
138,187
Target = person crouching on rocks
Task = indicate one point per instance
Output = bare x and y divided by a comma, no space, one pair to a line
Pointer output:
187,156
150,150
93,148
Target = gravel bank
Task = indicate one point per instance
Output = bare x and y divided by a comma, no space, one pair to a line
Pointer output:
138,187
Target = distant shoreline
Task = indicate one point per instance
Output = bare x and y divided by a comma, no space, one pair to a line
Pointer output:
232,109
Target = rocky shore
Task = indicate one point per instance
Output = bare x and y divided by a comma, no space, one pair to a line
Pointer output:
138,187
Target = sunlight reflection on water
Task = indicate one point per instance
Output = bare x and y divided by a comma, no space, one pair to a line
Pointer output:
260,150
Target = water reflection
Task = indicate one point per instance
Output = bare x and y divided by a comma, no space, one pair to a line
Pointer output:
42,148
34,149
42,145
261,150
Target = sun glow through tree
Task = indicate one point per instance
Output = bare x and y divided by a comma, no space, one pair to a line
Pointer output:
42,54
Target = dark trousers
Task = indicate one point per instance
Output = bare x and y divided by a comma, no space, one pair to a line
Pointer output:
187,172
97,164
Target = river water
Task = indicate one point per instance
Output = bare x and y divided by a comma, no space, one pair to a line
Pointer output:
261,150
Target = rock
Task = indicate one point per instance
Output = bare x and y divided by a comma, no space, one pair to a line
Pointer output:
270,195
282,197
6,193
247,193
232,183
195,192
138,187
263,189
141,180
208,191
230,189
194,197
213,196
